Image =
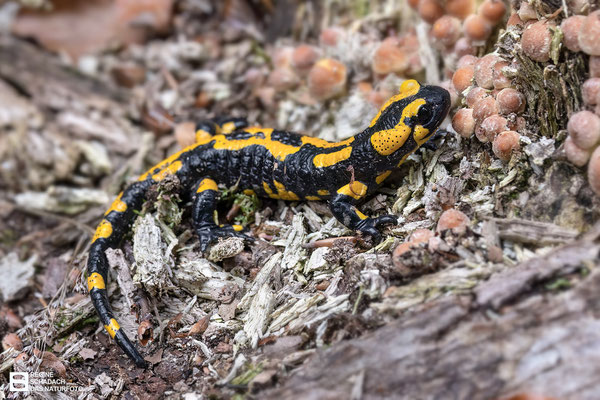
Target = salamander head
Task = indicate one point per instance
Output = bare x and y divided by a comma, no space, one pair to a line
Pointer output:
411,117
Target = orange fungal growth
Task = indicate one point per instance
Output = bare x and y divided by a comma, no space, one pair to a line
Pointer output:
462,78
417,237
430,10
282,56
575,154
491,127
500,80
327,79
463,47
484,71
571,27
492,10
331,36
594,171
460,8
455,220
484,108
446,30
516,123
304,57
389,58
467,60
536,41
282,79
447,84
463,122
527,12
420,236
514,21
475,94
584,129
510,101
505,144
477,28
414,4
589,34
590,91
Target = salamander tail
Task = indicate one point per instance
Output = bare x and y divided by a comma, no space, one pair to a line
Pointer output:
109,233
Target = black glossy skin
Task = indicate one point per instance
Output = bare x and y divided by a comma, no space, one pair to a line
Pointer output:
246,157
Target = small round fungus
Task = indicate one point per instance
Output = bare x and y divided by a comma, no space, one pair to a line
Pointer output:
463,122
505,144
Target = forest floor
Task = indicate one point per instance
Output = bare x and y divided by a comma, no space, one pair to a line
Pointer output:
502,305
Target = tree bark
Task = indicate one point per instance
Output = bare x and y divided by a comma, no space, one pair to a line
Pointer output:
511,337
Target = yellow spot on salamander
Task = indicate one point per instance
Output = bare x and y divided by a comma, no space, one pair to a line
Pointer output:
382,177
103,230
112,327
203,136
167,162
360,215
283,193
237,228
356,190
408,88
388,141
421,134
168,170
249,192
323,192
207,184
329,159
277,149
403,159
227,127
324,144
95,281
312,198
118,205
267,189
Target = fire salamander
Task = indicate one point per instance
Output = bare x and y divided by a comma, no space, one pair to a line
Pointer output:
276,164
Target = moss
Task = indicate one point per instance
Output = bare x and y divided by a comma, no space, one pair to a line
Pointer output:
552,90
558,284
248,375
66,322
8,237
248,204
167,206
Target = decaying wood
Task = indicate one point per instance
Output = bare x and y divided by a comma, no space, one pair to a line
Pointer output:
458,348
41,76
510,283
533,232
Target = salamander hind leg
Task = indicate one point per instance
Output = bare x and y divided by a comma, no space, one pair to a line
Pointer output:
343,207
205,202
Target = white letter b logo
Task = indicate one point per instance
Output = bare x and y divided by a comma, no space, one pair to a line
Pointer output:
19,382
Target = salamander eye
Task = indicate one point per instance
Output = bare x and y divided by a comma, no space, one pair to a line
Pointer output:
425,114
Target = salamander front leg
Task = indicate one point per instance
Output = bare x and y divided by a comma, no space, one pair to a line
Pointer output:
205,202
343,207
